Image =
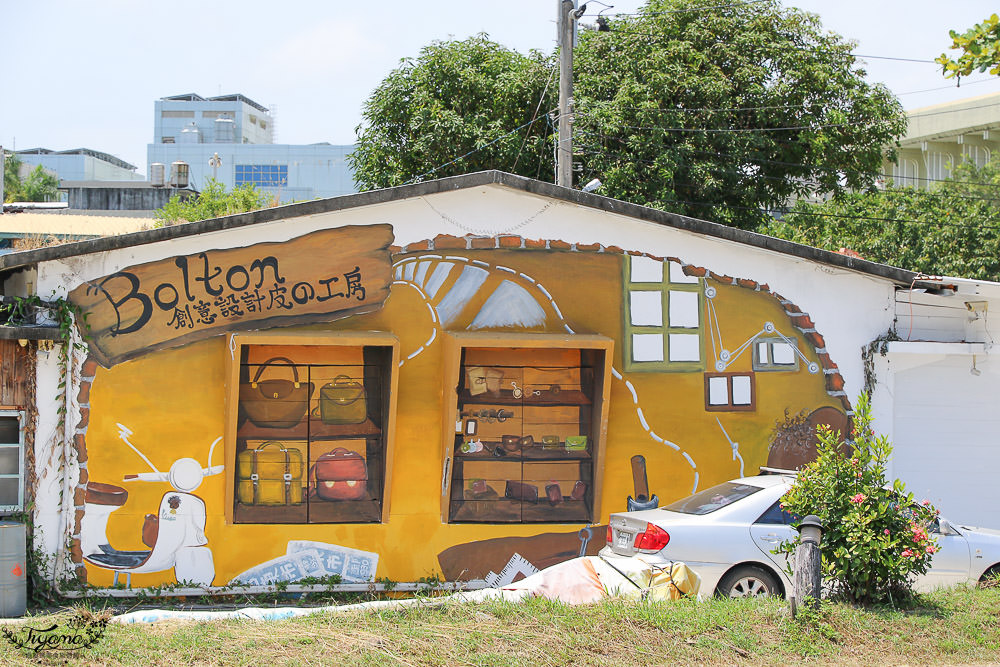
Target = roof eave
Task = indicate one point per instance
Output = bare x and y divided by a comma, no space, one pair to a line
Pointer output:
454,183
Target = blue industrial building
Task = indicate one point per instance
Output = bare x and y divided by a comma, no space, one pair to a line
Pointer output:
80,164
230,138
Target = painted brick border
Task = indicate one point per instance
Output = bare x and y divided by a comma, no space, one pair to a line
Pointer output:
800,320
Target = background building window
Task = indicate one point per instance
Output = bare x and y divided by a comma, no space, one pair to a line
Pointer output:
262,175
11,461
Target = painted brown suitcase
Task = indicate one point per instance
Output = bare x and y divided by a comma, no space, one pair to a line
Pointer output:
341,474
271,474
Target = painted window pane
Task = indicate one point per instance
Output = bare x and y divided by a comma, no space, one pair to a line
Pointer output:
646,270
648,347
685,347
782,353
683,309
646,308
742,392
718,391
762,354
677,275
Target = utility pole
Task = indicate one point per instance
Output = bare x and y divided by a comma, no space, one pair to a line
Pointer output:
564,151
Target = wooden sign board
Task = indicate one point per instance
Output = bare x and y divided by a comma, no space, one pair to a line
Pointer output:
318,277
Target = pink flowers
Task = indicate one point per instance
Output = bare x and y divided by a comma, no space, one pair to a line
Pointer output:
886,531
859,474
926,503
930,549
907,553
854,462
858,499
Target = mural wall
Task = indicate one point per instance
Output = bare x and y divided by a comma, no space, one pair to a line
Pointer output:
475,413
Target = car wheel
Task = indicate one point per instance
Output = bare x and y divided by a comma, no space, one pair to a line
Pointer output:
747,581
991,577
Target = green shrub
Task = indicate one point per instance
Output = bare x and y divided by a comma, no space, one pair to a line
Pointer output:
875,536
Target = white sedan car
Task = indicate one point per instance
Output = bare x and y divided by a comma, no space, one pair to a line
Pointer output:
726,534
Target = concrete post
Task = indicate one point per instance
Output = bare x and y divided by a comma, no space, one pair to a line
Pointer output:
807,567
564,152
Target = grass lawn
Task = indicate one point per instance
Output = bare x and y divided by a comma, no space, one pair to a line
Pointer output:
960,626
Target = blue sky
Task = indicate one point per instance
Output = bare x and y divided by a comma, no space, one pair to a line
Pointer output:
87,73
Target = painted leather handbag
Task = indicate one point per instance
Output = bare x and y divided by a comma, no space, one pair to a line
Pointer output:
340,474
521,491
480,380
271,474
275,402
342,401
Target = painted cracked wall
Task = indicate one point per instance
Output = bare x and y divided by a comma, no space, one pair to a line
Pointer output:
710,377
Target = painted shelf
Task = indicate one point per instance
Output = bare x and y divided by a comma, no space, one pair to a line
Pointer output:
313,429
530,454
565,397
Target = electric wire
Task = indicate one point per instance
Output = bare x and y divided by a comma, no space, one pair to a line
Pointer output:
813,183
420,177
830,215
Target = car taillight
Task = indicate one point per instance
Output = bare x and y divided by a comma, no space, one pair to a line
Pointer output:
610,536
653,538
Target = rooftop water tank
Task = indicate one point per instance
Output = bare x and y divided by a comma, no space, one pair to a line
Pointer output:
225,129
179,174
157,174
190,134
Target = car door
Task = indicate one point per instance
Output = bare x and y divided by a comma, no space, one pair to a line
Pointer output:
951,562
771,529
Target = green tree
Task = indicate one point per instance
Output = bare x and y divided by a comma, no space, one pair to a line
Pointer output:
40,185
12,186
721,114
952,229
213,202
980,50
454,98
875,536
715,113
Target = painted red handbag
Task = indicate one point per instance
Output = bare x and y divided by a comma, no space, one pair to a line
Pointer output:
340,475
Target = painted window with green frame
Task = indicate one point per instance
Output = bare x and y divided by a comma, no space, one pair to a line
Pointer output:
663,317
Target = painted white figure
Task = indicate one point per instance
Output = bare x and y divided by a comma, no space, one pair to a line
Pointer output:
175,535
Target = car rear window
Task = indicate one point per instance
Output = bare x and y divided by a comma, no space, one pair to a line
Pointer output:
712,499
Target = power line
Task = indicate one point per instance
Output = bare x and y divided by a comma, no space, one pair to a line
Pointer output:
420,177
688,10
790,47
890,192
729,129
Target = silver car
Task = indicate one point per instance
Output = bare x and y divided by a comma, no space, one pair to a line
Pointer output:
727,533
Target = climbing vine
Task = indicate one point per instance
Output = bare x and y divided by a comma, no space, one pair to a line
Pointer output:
881,346
21,312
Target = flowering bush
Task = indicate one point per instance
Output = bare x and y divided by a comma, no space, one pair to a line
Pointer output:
875,536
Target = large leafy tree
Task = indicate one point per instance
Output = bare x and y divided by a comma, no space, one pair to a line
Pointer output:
457,97
953,229
980,49
717,112
724,112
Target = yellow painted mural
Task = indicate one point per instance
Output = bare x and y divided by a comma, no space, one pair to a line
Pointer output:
483,423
